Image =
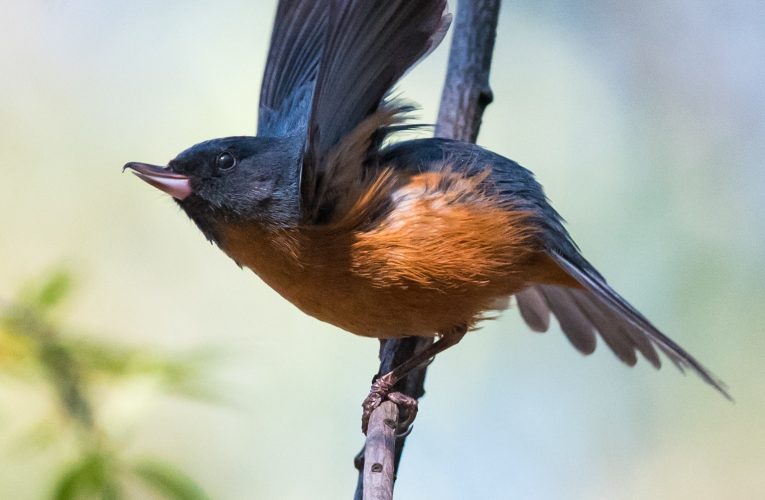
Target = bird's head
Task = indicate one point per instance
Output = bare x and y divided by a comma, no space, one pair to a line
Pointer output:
232,180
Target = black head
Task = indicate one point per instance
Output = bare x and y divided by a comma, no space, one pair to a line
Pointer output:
232,180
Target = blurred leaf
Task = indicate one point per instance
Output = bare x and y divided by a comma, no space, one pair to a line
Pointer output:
181,374
92,477
118,360
38,437
49,352
50,292
31,338
65,374
168,481
16,351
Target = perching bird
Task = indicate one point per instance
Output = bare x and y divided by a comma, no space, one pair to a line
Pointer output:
418,238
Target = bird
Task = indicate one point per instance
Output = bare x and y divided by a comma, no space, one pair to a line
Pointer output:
389,238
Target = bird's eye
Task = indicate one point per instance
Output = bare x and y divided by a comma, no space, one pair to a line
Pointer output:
226,161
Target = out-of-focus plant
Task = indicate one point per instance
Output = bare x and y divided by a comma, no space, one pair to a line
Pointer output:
34,346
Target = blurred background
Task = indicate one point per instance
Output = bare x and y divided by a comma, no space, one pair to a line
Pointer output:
645,122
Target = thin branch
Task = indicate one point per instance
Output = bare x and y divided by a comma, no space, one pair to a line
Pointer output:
465,96
379,452
466,91
393,352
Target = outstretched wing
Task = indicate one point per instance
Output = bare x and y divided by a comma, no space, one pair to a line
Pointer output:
297,40
370,45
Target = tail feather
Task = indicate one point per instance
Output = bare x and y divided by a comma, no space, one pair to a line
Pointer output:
573,321
613,326
597,307
534,309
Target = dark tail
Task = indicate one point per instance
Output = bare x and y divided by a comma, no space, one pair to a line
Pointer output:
596,307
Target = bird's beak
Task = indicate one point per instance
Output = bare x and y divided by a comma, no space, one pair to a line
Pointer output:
176,185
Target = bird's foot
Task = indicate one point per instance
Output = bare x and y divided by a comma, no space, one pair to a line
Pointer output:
379,392
408,405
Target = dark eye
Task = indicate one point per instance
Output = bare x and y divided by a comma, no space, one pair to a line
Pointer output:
226,161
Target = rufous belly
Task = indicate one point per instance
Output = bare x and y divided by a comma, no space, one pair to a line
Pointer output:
438,259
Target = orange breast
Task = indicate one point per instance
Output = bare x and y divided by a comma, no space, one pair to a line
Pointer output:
444,253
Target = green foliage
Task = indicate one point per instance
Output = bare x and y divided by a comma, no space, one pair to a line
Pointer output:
93,476
51,291
181,375
168,481
34,347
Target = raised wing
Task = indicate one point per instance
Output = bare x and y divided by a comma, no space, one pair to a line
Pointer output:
299,35
371,44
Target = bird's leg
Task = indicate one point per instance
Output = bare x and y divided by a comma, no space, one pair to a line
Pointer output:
383,384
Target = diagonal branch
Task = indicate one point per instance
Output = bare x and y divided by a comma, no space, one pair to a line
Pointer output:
466,90
465,96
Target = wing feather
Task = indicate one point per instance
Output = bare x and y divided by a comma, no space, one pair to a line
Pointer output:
371,45
297,42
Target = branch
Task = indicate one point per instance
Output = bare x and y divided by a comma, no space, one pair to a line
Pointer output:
465,96
393,352
378,455
466,91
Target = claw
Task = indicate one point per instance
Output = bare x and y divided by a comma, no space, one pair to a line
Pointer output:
409,404
402,435
379,392
382,386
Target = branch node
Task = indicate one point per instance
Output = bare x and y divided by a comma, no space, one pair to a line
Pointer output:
486,97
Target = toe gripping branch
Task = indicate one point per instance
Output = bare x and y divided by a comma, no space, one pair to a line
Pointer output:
383,384
379,392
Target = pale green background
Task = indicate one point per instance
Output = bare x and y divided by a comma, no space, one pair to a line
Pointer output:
643,120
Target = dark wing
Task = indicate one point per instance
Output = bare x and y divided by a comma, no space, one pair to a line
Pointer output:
297,40
371,44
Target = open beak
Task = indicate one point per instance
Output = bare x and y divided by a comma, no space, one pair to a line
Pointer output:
176,185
